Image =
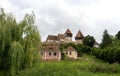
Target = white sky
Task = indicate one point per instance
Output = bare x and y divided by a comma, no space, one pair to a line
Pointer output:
55,16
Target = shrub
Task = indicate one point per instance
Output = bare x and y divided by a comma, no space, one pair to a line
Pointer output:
104,68
108,54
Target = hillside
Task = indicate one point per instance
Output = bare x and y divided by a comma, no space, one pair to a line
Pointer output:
84,66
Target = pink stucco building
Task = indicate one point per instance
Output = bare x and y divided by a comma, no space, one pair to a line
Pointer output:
51,53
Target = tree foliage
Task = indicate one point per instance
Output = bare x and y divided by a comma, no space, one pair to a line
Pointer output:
109,54
18,43
16,56
83,49
110,51
106,40
118,35
89,41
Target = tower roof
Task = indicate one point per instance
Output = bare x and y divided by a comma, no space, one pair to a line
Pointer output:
79,35
68,31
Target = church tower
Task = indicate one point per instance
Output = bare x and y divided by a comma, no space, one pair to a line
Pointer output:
79,37
68,36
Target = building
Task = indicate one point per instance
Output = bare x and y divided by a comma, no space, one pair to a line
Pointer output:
71,52
52,38
50,53
79,37
50,50
66,37
97,45
53,53
61,37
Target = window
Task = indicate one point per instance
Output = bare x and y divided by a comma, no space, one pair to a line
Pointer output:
49,53
70,53
55,54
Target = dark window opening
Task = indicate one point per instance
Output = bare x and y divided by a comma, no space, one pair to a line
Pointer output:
49,54
70,53
55,54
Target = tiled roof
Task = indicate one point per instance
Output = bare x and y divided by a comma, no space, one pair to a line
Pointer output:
52,37
68,31
51,48
79,35
70,48
61,36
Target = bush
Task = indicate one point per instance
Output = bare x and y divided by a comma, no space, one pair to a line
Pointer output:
104,68
108,54
83,49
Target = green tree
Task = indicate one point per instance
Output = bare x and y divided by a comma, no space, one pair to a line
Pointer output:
18,43
89,41
118,35
83,49
30,41
16,56
106,40
110,54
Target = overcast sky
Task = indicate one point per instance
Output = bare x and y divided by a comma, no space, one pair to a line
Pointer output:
55,16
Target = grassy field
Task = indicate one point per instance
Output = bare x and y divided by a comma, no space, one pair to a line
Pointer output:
85,66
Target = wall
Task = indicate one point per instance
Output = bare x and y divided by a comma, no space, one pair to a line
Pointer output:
72,55
47,56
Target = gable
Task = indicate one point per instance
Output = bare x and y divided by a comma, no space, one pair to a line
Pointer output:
70,48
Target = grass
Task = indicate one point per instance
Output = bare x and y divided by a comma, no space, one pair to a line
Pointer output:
85,66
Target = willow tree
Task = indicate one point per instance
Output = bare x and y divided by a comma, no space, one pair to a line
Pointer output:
18,43
16,56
